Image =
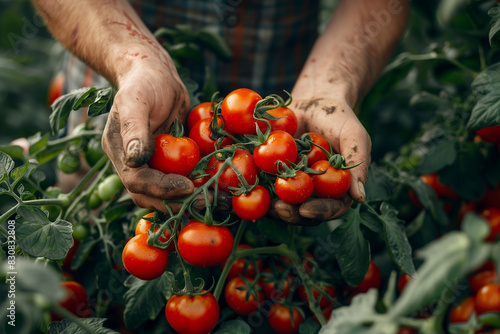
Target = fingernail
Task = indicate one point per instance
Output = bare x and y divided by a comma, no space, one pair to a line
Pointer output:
134,148
361,188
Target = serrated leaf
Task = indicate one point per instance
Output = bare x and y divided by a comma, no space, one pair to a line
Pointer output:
494,34
68,327
378,185
17,173
38,236
442,154
6,165
445,262
99,102
234,327
62,107
351,249
146,299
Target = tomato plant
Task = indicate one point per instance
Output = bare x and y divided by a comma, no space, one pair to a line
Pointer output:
315,153
192,315
174,155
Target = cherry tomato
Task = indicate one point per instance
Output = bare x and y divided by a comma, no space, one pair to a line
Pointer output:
236,296
199,181
253,205
75,301
316,154
243,162
237,110
403,280
243,267
276,287
56,88
488,299
492,215
205,245
372,279
192,315
142,260
200,133
441,190
333,183
280,318
110,187
144,225
490,134
287,120
70,256
480,279
174,155
294,190
323,302
80,231
68,162
93,152
491,197
407,330
94,200
279,146
463,311
201,111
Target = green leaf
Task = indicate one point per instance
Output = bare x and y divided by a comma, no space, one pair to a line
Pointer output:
146,299
6,165
14,151
275,230
495,27
82,252
234,327
37,236
310,326
38,142
99,102
209,86
486,112
445,262
190,84
476,227
68,327
378,185
214,42
490,318
426,196
26,169
390,293
468,327
62,107
351,250
441,155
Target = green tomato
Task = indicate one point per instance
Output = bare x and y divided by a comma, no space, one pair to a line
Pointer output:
53,191
110,187
93,152
68,162
53,211
94,200
80,231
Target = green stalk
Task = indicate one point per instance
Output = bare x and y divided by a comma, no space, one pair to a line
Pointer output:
72,195
70,316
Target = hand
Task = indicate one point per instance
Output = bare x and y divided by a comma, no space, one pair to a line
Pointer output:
150,96
333,119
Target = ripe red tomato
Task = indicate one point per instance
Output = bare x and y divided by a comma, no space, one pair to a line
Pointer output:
280,318
323,302
316,154
491,197
492,215
276,287
201,111
243,162
463,311
144,225
243,267
488,299
174,155
252,206
56,88
75,301
142,260
205,245
480,279
287,120
192,315
441,190
279,146
407,330
403,280
333,183
372,280
200,133
490,134
294,190
236,296
237,110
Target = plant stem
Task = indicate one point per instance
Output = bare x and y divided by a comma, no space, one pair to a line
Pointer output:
71,138
72,195
70,316
411,322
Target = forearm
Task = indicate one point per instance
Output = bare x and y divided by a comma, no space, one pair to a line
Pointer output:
354,48
107,35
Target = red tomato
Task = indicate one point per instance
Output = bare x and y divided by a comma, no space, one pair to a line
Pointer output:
333,183
488,299
294,190
243,162
144,225
403,280
56,88
316,154
490,134
407,330
441,190
463,311
198,182
205,245
491,198
252,206
200,133
323,302
243,267
492,215
237,110
70,256
480,279
174,155
75,301
192,315
142,260
201,111
236,296
372,280
279,146
287,120
276,287
280,318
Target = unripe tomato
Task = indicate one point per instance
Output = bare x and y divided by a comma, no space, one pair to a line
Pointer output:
110,187
68,162
93,152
